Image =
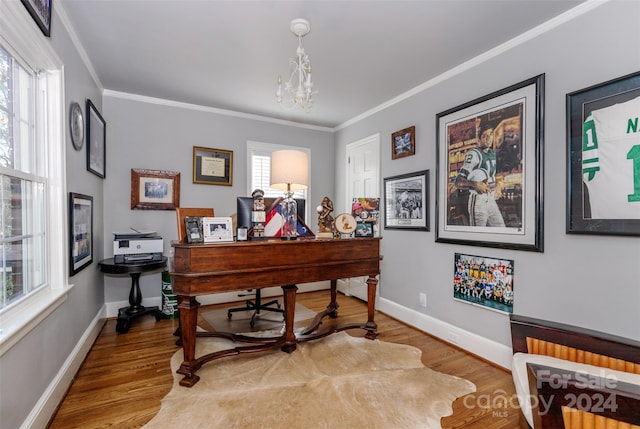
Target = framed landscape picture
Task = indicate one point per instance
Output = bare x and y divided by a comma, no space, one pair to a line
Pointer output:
155,189
484,281
603,153
489,158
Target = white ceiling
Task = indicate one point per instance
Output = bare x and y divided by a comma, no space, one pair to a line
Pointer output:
228,54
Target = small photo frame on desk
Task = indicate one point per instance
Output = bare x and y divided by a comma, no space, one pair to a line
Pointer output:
193,226
217,229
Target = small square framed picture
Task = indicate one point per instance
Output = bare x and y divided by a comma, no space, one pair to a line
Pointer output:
193,226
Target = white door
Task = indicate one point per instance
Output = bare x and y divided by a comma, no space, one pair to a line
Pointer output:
363,180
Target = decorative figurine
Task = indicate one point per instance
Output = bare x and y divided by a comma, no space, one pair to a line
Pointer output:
325,220
257,215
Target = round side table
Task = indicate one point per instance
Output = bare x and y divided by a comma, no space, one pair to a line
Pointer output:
133,269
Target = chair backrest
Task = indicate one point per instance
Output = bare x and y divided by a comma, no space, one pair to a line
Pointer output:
182,212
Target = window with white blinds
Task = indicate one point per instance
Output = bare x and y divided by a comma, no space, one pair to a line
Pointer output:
260,168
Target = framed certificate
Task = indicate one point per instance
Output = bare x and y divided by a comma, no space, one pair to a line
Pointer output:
212,166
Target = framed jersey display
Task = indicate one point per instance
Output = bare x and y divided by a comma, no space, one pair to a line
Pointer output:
603,151
489,156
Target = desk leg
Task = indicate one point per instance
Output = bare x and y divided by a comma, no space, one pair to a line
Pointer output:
188,306
333,305
289,314
371,326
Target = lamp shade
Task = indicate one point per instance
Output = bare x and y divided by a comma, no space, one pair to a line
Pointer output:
289,170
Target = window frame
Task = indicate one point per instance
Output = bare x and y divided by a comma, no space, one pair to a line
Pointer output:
255,146
24,42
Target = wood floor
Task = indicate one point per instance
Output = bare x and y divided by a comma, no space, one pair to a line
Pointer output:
125,376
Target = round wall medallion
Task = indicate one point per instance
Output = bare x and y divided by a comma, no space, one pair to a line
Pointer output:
76,125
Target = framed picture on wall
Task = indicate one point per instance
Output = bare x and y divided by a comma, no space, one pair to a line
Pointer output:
403,143
96,141
40,11
603,153
406,199
155,189
212,166
80,232
489,155
484,281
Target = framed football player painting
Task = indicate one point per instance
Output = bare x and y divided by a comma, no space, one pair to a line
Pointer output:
603,153
489,169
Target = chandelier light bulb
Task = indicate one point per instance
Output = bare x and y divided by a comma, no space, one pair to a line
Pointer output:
298,89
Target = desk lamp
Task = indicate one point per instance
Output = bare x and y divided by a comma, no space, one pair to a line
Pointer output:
289,172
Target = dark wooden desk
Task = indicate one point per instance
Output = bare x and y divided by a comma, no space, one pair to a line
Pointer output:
202,269
135,308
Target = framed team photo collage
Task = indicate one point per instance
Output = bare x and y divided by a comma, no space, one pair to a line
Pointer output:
603,153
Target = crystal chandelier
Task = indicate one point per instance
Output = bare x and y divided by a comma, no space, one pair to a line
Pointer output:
298,90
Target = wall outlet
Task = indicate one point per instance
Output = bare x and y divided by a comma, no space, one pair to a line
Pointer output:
423,300
453,337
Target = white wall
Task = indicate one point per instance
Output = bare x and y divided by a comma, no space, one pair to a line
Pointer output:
590,281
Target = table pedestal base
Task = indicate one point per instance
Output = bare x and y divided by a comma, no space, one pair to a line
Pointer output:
126,314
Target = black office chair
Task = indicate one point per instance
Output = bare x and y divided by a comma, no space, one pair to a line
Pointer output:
256,305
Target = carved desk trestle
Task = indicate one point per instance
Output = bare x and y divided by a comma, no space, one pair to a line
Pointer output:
202,269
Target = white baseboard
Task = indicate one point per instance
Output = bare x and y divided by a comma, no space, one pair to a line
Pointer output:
217,298
492,351
54,394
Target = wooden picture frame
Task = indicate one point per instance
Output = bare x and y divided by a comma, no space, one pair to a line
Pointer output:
80,232
489,158
193,228
96,141
403,143
155,189
40,11
406,199
212,166
603,185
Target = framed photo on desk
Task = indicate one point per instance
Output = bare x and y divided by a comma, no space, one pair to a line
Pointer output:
193,226
217,229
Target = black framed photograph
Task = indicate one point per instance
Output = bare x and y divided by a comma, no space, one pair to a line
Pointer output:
80,232
403,143
40,11
603,153
155,189
96,141
484,281
406,199
193,226
489,162
212,166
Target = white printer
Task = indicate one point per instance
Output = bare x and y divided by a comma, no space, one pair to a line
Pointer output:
137,246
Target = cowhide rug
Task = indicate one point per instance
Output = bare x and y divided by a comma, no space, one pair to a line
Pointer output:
336,382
